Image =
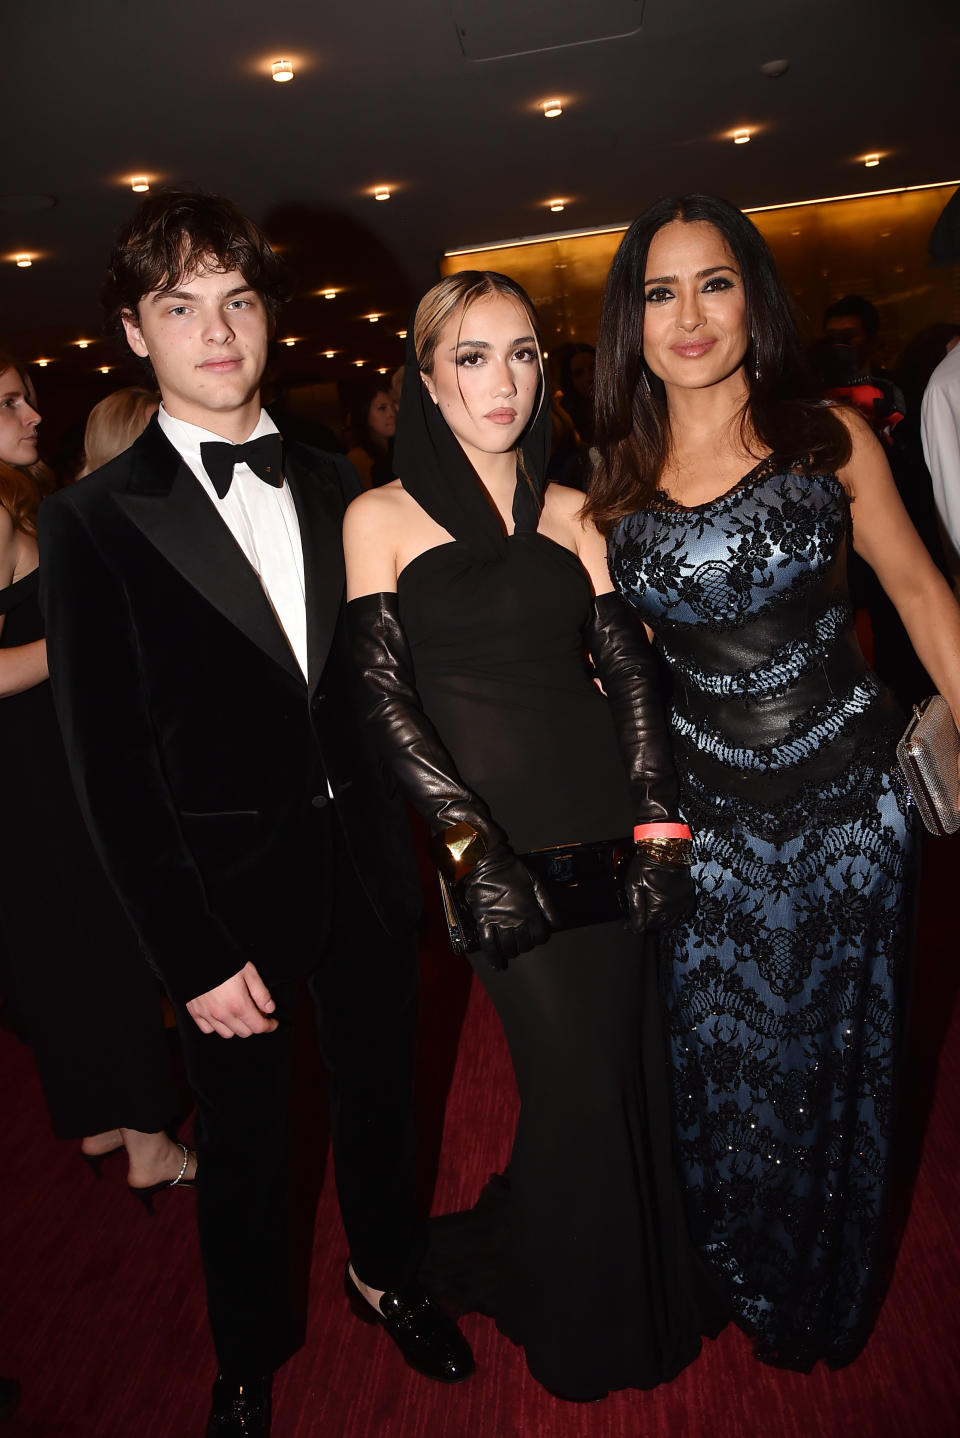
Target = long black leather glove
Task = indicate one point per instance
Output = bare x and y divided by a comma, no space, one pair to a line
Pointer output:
657,894
511,910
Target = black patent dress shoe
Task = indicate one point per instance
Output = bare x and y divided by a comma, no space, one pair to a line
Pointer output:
240,1410
429,1340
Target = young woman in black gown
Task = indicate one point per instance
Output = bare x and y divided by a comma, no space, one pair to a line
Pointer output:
471,595
77,986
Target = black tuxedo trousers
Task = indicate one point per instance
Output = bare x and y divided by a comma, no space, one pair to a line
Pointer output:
364,991
242,816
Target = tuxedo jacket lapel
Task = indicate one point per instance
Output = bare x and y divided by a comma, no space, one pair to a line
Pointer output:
320,512
166,503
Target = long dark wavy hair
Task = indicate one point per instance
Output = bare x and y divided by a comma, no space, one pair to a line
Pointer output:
783,413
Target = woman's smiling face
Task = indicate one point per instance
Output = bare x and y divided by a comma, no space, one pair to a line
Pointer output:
695,329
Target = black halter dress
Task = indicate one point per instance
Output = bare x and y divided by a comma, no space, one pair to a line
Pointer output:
579,1251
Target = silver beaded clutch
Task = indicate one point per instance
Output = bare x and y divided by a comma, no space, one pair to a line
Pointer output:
927,754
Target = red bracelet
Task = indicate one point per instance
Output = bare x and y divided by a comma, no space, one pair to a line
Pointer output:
661,831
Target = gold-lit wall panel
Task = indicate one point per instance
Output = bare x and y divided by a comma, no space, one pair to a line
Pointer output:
875,246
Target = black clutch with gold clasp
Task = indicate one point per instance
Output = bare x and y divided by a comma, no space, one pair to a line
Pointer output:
585,882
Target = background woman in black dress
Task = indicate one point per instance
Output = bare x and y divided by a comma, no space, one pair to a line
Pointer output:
373,425
471,594
77,986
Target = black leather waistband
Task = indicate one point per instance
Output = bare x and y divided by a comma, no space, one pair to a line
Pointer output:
754,721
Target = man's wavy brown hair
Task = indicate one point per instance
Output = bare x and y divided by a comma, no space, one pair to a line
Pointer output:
177,233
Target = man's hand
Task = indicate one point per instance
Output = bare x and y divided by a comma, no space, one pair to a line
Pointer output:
237,1008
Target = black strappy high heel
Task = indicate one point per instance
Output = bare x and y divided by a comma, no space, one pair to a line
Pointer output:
94,1161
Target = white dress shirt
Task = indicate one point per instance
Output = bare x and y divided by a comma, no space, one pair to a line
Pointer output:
940,432
263,521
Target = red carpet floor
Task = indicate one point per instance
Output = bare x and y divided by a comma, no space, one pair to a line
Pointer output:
102,1308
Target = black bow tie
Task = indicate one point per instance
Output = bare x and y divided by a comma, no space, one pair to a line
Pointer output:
263,455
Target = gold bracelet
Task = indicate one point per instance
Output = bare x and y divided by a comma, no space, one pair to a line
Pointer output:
671,853
457,850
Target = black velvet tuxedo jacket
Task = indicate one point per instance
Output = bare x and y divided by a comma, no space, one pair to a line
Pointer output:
199,753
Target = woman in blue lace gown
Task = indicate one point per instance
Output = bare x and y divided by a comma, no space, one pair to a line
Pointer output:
730,498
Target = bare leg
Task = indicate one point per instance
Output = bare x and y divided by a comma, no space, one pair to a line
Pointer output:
154,1158
372,1295
95,1145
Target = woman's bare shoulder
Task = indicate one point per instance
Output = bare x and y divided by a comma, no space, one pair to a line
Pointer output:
374,503
562,502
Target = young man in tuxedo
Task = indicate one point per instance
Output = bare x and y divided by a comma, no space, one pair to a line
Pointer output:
193,594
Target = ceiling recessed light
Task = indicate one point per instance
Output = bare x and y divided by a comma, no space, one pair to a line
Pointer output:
552,108
382,369
401,334
871,161
282,71
556,205
24,262
329,294
83,344
381,192
374,319
358,364
42,363
140,184
289,343
105,368
330,353
741,137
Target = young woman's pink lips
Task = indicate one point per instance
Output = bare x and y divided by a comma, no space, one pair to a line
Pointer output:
502,416
221,364
694,349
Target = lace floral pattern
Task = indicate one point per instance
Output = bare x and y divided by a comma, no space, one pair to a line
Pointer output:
671,551
786,987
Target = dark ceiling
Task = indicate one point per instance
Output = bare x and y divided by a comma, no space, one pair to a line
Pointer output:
397,94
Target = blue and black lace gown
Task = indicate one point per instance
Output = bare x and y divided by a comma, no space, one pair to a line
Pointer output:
787,988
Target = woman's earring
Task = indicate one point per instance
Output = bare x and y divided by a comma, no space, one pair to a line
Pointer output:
646,378
756,362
